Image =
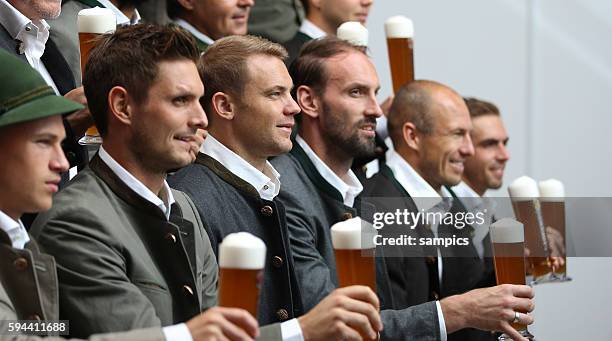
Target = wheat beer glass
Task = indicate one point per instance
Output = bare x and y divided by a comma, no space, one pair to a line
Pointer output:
353,32
91,23
354,249
552,200
507,238
241,260
527,209
400,32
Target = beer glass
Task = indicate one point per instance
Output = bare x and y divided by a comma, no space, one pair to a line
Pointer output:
353,242
524,193
552,199
400,32
241,260
353,32
507,238
91,23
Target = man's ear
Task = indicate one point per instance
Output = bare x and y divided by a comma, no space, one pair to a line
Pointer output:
411,136
223,106
308,101
120,105
187,4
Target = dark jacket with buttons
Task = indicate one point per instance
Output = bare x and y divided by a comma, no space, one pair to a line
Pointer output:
228,204
121,263
313,206
414,274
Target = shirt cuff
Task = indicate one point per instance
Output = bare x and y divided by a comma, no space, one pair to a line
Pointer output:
441,322
291,331
178,332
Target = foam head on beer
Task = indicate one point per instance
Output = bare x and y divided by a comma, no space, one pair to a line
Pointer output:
242,250
524,188
96,20
353,32
507,230
399,27
353,234
551,190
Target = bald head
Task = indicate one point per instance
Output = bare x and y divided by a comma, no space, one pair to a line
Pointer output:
420,102
429,124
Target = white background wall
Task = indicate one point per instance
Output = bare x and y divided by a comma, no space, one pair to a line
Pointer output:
548,65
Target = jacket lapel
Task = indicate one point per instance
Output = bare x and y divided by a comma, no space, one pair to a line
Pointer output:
58,68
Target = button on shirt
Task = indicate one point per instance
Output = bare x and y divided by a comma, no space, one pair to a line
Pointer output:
475,203
32,37
348,186
267,184
418,189
15,230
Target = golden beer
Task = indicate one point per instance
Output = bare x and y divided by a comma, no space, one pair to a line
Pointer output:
552,199
399,31
507,236
239,288
91,23
242,258
356,267
539,263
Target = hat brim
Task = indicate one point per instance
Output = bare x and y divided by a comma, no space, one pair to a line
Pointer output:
39,108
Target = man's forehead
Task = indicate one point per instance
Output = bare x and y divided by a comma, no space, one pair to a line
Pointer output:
351,67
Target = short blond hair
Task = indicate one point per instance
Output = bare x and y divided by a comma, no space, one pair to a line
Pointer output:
223,66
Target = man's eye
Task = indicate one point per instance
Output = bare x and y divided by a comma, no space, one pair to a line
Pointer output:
355,92
44,143
180,100
275,94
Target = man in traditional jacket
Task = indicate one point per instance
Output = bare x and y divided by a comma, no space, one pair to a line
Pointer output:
30,134
132,253
335,86
234,187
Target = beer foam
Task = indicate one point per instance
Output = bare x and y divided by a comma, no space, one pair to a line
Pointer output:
399,27
353,234
551,190
242,250
507,230
524,187
96,20
353,32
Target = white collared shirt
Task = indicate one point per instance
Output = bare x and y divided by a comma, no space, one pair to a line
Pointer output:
473,202
122,19
267,183
312,30
201,36
418,189
137,186
349,187
32,35
15,230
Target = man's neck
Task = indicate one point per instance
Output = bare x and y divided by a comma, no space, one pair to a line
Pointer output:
413,161
480,190
13,214
153,180
25,9
339,163
318,20
231,143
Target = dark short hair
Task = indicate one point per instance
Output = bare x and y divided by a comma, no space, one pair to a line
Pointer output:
174,9
223,66
129,58
478,107
309,67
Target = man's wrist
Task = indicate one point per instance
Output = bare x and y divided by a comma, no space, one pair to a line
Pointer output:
453,309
